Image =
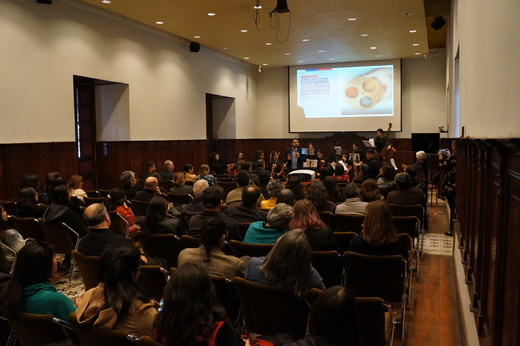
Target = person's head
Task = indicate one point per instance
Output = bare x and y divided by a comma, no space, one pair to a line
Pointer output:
378,226
355,146
305,216
214,157
168,165
212,235
250,196
51,176
28,197
129,178
369,191
311,146
239,157
190,306
420,156
264,178
274,187
364,168
60,194
75,182
260,163
150,167
370,154
334,315
115,198
96,216
30,180
388,171
188,168
203,170
294,184
178,178
280,216
285,196
380,133
332,188
274,155
403,181
151,183
155,213
288,262
212,197
453,147
319,153
351,190
242,178
339,170
412,171
119,270
3,219
245,166
295,143
317,194
198,187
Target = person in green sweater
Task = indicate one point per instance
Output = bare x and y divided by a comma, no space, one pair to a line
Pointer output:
29,289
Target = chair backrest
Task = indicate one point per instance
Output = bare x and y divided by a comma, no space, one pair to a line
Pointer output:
166,184
375,276
91,200
9,207
95,336
28,227
240,249
406,246
165,246
140,207
407,224
152,281
242,228
180,198
416,210
329,265
118,224
227,186
344,239
104,193
61,236
92,193
33,329
227,297
278,310
88,267
348,222
328,218
189,241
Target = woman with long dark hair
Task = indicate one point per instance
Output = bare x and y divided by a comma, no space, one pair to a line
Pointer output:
27,204
190,314
62,210
319,197
116,201
215,165
369,191
29,289
32,180
157,220
117,302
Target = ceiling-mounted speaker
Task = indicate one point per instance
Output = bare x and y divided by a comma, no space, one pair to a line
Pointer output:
48,2
438,23
194,47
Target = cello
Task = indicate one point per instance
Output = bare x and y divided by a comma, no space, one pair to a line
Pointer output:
388,151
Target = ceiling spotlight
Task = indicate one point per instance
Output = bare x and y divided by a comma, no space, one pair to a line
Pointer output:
106,1
413,31
257,5
211,14
159,22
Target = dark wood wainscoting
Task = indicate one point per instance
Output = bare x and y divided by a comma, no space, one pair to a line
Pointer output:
488,209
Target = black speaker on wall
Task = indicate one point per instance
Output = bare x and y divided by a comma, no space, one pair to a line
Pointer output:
48,2
194,47
427,142
438,23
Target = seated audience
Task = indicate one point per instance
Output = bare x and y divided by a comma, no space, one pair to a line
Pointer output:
378,236
61,210
150,171
167,172
178,184
214,164
196,206
29,289
151,189
210,255
204,174
414,171
318,233
188,173
273,188
234,197
212,201
407,194
369,191
117,303
116,201
268,232
32,180
248,211
190,313
264,178
285,196
333,320
364,175
288,265
352,204
129,180
158,221
386,182
317,194
51,180
332,189
294,184
27,204
9,237
75,188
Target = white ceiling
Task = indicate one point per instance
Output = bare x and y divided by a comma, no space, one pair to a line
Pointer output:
332,36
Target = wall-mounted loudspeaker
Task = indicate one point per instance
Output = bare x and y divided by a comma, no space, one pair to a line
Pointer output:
438,23
194,47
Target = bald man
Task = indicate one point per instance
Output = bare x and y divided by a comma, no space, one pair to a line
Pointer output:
151,189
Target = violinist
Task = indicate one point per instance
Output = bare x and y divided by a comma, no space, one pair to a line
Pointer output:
276,165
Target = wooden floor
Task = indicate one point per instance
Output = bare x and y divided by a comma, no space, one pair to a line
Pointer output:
434,318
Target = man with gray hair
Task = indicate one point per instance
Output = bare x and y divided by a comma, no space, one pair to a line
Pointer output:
352,204
268,232
99,234
167,172
196,206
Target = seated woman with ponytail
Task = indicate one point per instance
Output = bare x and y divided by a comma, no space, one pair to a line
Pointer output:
210,254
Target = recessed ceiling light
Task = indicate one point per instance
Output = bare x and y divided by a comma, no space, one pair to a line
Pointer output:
352,19
268,43
321,51
287,53
300,60
106,1
413,31
246,58
331,59
196,36
257,7
417,53
408,13
379,56
373,47
211,14
415,44
159,22
243,30
364,35
305,40
264,64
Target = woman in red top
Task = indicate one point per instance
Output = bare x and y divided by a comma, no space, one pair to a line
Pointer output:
116,201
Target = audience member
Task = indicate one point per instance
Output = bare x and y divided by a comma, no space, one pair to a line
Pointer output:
234,197
150,171
188,173
386,182
352,204
318,233
364,175
117,303
369,191
317,194
116,201
406,194
378,236
27,204
61,210
29,289
214,164
32,180
415,181
191,314
285,196
332,189
294,184
196,206
212,201
158,221
210,255
129,180
51,180
167,172
273,188
264,179
288,265
204,174
373,164
248,211
9,237
268,232
178,184
151,189
75,188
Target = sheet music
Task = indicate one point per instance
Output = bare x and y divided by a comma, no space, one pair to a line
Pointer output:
392,161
